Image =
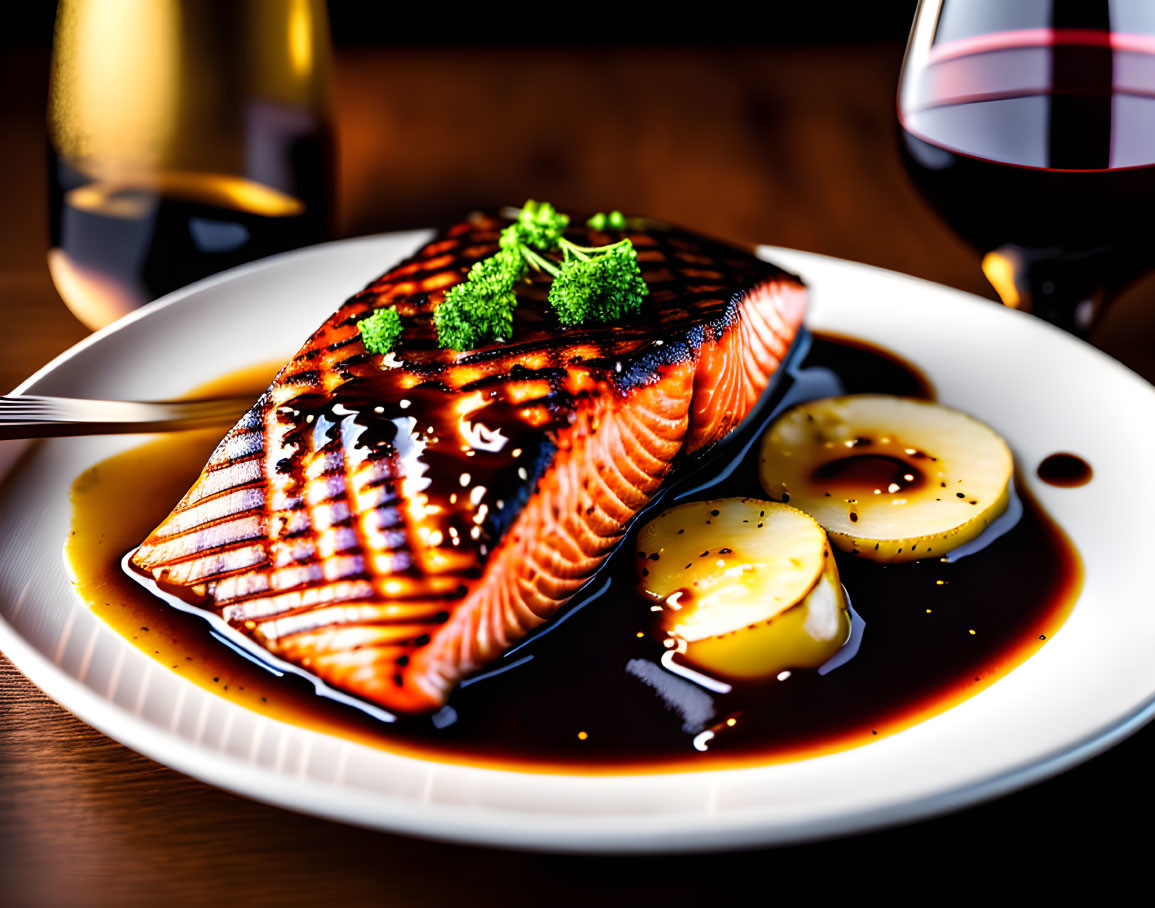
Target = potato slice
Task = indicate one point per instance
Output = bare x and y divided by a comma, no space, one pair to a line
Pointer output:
890,478
748,587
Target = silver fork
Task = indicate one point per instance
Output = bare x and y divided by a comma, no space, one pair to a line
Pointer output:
33,416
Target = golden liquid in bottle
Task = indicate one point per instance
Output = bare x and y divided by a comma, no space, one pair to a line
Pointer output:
185,138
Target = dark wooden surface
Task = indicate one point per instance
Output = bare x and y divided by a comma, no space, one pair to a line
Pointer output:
790,146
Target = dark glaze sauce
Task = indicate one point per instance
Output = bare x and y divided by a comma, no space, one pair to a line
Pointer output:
588,694
858,472
1065,470
472,490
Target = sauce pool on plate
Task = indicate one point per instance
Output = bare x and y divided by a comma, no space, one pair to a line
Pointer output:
1065,470
589,693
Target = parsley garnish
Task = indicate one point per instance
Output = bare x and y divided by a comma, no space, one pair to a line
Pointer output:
379,332
600,284
591,283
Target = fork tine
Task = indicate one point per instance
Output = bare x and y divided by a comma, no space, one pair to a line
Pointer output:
27,416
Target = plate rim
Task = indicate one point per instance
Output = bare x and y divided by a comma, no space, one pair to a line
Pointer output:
510,829
580,835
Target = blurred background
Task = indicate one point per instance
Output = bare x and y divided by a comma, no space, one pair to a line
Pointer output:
780,131
771,125
783,133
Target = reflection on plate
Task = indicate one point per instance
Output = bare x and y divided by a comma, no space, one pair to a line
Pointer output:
1044,391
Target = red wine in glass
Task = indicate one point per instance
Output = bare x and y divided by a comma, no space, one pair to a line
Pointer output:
1030,126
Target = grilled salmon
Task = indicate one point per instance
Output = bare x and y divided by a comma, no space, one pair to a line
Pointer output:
389,524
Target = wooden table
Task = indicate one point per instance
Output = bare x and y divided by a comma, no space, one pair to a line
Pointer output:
791,146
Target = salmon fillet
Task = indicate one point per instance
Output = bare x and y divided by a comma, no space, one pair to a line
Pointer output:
391,524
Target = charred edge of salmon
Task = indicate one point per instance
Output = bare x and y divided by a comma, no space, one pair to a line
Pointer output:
676,264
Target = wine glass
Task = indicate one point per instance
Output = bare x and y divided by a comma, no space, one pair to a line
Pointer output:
185,137
1030,126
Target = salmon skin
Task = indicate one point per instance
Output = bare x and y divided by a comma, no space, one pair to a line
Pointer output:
389,525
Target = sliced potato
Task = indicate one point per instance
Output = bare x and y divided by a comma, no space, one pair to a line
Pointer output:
890,478
748,587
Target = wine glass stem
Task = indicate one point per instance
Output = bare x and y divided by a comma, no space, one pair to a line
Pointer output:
1048,285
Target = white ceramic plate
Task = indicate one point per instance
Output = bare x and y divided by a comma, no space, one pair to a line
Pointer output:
1088,687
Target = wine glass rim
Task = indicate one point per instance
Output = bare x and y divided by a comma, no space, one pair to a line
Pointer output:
1039,37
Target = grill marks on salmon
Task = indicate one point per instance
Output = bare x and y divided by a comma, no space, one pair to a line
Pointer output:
393,524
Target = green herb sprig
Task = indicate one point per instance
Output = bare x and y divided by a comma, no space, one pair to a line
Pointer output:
590,283
379,332
480,308
598,284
